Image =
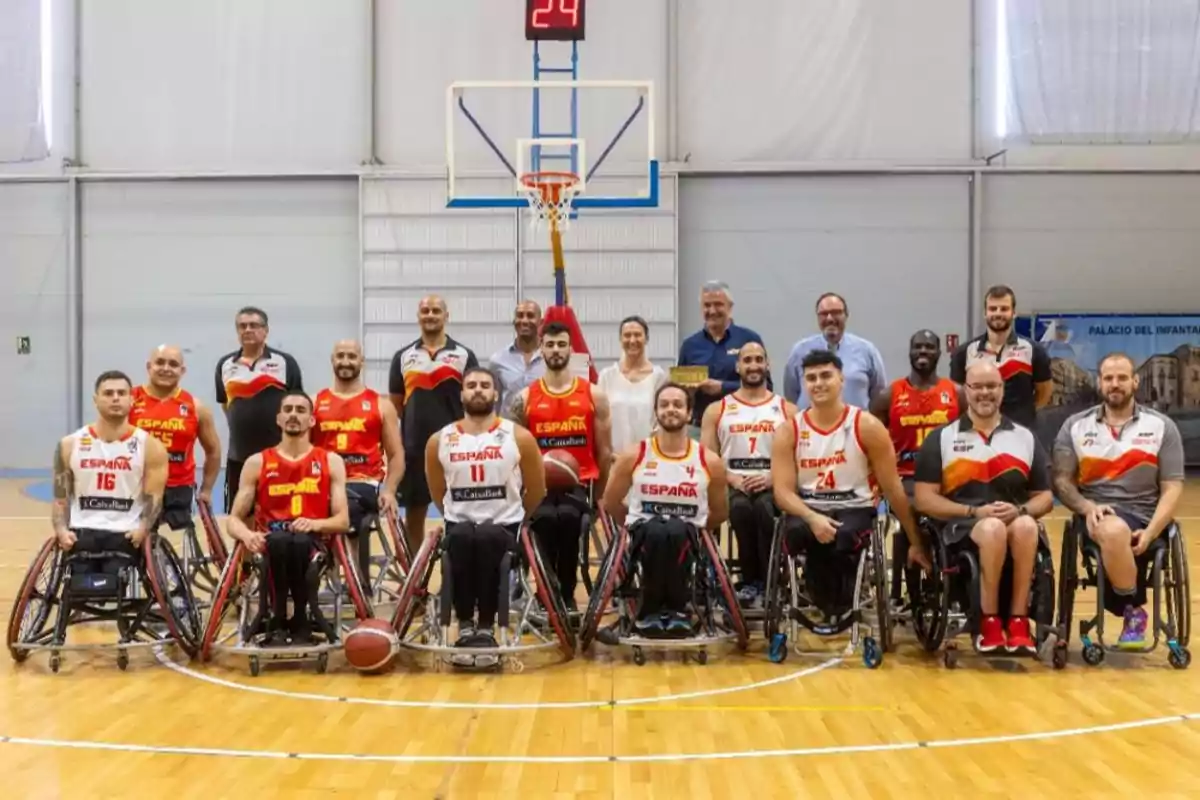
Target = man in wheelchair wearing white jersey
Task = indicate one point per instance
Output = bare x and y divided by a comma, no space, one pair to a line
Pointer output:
666,489
825,465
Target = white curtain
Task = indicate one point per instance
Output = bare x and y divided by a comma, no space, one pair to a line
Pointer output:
1102,71
22,121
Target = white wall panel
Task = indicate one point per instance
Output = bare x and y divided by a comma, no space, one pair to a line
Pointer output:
809,80
1102,243
223,84
34,409
618,263
173,262
413,246
896,247
429,45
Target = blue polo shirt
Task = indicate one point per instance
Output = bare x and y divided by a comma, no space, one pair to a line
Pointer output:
720,356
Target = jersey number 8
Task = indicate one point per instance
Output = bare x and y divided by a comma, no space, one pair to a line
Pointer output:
297,505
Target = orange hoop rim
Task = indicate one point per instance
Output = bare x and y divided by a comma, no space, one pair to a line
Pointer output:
549,184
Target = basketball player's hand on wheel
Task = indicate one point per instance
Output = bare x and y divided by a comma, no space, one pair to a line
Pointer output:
918,556
204,496
66,540
387,504
824,528
257,542
304,525
136,537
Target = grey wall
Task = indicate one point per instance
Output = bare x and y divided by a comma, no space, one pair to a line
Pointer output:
896,247
1104,243
173,261
34,411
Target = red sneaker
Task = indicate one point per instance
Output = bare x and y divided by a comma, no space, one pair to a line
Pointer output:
1019,639
991,635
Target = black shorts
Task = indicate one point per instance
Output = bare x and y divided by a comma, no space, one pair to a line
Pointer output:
413,488
363,501
233,476
854,533
177,507
1113,602
92,541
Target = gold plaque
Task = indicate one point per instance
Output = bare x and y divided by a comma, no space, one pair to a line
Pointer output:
689,376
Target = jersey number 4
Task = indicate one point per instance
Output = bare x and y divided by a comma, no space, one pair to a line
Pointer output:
826,480
106,481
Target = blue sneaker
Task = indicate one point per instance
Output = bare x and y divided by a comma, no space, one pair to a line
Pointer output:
1133,634
679,624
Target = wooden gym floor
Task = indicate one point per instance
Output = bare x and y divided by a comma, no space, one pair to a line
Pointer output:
599,726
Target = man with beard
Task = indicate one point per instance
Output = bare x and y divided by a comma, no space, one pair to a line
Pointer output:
108,480
362,427
520,363
663,489
1119,466
741,428
296,492
425,387
486,477
825,466
177,419
913,406
1023,363
564,412
863,371
985,478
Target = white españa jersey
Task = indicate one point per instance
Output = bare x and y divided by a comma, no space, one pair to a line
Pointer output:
745,431
669,487
108,481
832,469
483,474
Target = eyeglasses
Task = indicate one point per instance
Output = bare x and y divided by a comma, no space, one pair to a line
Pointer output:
985,387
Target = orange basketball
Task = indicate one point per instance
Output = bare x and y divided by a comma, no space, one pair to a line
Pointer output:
562,470
371,646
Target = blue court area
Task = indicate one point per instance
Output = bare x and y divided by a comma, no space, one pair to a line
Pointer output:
42,490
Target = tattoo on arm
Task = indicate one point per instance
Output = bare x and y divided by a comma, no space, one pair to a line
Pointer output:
516,411
151,509
64,488
1064,484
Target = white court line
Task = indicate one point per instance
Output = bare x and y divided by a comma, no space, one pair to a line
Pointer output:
220,516
371,701
80,744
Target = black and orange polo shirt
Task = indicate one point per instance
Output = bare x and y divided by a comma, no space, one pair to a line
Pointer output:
1023,363
431,385
973,469
250,392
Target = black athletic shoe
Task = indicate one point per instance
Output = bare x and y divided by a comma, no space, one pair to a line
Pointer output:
466,633
679,624
278,638
650,626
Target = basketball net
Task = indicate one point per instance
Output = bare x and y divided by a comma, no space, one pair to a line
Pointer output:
550,195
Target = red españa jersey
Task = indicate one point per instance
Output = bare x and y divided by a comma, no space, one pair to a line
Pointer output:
173,421
352,427
289,490
565,421
914,413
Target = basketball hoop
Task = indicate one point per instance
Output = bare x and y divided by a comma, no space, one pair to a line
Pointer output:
550,196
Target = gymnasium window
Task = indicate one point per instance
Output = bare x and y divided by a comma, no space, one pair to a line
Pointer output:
1097,71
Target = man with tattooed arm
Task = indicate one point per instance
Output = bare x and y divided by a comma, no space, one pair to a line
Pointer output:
109,479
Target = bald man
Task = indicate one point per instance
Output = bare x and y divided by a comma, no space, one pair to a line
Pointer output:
178,420
363,428
519,363
986,479
425,386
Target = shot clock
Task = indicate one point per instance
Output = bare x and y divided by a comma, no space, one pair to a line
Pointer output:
554,20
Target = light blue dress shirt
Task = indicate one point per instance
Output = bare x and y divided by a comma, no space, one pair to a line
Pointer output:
862,366
509,365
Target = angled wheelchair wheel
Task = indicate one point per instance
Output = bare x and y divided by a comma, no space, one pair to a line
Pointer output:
611,569
36,598
228,585
1068,585
172,593
548,593
414,587
1180,588
931,604
585,551
212,535
880,587
725,587
775,595
349,568
398,536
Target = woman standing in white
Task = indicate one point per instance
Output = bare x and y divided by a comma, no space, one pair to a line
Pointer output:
630,385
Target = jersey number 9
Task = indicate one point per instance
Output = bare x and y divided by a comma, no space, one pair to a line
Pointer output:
341,443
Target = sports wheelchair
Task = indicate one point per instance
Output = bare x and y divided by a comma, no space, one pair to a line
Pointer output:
718,618
1168,583
789,601
593,538
389,563
148,597
531,614
244,592
945,603
203,569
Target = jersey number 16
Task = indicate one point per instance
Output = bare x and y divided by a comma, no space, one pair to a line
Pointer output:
106,481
